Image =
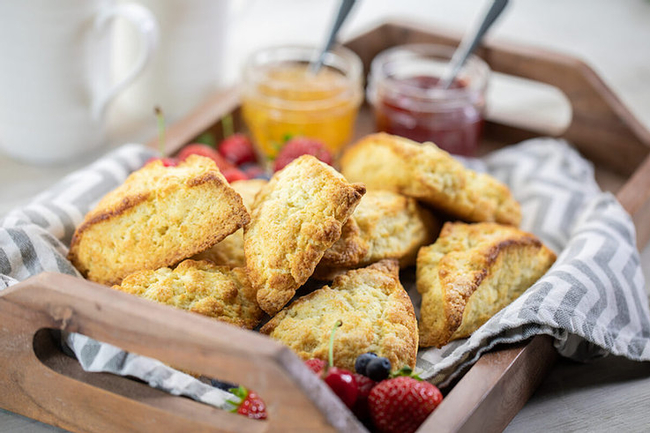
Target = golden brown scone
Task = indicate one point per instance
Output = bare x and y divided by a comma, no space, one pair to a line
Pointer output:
201,287
157,217
391,226
470,273
376,312
230,251
296,217
350,249
431,175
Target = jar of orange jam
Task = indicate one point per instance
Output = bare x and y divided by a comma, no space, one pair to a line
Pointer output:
281,98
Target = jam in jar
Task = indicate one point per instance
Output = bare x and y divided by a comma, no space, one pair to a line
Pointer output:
408,101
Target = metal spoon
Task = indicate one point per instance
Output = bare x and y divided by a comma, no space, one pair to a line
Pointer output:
344,10
470,42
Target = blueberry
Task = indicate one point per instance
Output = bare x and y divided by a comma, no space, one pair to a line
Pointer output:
362,361
378,369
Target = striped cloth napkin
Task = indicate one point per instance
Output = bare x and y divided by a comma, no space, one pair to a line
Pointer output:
592,301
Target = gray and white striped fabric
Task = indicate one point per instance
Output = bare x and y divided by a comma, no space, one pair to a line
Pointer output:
592,301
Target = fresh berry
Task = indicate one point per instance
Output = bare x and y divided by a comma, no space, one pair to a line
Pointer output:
343,384
298,146
254,171
249,404
167,161
401,404
237,149
207,151
364,385
339,380
233,174
316,365
362,361
378,369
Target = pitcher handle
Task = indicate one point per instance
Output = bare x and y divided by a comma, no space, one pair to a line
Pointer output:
147,26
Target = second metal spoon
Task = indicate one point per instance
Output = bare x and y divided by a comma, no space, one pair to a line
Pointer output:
470,42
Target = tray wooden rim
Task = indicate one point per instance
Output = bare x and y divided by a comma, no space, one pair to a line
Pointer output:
474,402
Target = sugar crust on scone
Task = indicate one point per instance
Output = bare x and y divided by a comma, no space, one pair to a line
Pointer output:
431,175
376,312
296,217
391,226
230,251
157,217
200,287
470,273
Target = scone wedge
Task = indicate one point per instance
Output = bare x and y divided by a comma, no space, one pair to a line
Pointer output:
470,273
230,251
431,175
296,217
390,226
201,287
376,312
156,218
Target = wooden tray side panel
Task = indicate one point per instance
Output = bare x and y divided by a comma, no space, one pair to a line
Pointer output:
296,399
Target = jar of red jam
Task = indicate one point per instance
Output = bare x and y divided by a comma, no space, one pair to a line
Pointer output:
403,88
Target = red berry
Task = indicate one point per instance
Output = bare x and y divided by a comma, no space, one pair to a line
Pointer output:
343,384
167,161
250,405
402,404
316,365
233,174
237,149
204,150
364,385
301,146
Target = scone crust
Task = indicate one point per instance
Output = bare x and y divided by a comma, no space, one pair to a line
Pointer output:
296,217
470,273
230,251
431,175
391,225
376,312
200,287
157,217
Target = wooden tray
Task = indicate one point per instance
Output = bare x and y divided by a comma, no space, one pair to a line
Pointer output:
38,381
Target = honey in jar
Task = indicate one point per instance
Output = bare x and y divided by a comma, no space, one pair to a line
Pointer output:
283,99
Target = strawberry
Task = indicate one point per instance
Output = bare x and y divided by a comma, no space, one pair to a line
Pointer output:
250,404
401,404
364,385
233,174
167,161
207,151
237,149
298,146
316,365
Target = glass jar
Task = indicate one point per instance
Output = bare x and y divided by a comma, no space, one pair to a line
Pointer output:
403,89
281,98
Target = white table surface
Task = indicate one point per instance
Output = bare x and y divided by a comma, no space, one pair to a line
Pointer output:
612,36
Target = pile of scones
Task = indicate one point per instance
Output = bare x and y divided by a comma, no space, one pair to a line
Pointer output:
239,252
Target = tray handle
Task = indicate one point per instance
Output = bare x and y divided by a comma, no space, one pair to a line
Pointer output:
295,398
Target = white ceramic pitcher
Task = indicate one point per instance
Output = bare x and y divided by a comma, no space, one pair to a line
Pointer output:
55,69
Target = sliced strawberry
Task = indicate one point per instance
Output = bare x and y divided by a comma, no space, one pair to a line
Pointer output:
237,149
250,404
204,150
401,404
298,146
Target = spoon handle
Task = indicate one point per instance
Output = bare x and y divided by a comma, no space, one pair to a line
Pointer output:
470,41
344,9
